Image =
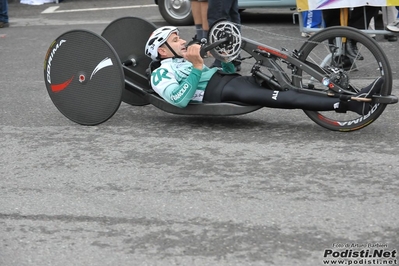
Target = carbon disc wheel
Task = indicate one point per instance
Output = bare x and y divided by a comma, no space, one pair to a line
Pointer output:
128,36
84,77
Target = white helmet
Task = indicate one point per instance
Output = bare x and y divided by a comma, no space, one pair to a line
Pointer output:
157,38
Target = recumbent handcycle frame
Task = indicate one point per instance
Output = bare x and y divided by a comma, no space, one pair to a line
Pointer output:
88,76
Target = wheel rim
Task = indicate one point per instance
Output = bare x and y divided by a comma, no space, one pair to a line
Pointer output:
352,74
178,9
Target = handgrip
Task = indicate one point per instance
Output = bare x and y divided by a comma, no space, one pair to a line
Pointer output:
206,48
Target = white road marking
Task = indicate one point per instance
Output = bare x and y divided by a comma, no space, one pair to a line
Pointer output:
52,10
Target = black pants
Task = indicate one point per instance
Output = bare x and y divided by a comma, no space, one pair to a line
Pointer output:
356,18
223,9
245,90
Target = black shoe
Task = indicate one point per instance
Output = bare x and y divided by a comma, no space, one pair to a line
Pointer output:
352,51
4,24
363,108
344,62
391,38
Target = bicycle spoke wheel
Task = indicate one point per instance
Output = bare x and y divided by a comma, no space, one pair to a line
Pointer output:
351,59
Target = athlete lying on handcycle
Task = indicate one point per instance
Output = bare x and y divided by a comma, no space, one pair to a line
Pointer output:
182,78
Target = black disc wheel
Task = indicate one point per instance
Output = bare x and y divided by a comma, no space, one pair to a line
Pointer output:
351,59
128,36
84,77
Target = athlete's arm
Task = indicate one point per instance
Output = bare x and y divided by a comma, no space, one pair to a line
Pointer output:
193,55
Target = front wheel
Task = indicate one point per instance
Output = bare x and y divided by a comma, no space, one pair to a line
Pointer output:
353,60
176,13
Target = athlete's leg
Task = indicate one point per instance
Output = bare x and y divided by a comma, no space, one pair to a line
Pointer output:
197,16
204,15
247,90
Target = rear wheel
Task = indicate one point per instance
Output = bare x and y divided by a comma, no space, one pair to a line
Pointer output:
352,69
128,36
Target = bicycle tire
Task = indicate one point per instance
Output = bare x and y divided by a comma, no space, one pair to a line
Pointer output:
128,36
358,72
84,77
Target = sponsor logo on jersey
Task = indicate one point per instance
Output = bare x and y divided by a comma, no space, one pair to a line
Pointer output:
181,93
158,75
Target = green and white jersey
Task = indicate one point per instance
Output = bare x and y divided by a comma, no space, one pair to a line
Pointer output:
179,83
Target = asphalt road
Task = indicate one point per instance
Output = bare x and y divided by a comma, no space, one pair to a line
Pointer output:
151,188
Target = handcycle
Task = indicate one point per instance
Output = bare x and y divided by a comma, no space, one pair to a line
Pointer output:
88,75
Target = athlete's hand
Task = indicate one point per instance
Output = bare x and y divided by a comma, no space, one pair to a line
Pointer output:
193,55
